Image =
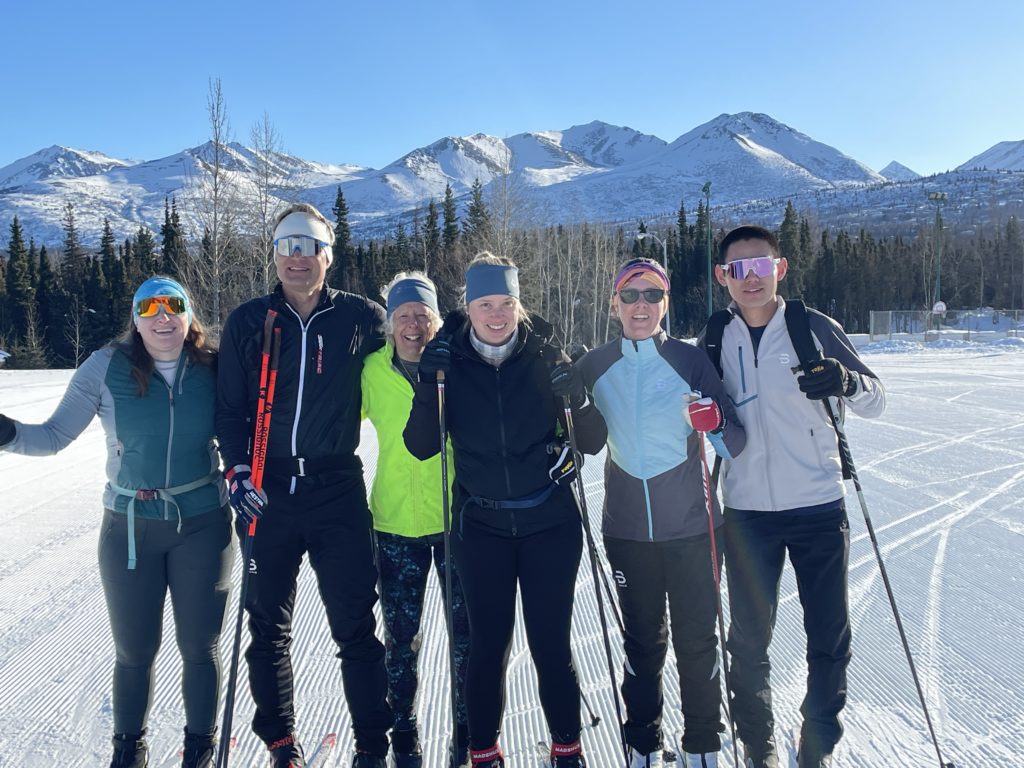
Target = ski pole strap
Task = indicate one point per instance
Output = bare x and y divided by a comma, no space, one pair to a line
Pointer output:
156,494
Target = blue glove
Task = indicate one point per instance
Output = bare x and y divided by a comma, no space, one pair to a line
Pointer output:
437,356
7,430
827,378
247,502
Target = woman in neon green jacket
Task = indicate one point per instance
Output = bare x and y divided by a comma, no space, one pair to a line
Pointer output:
407,512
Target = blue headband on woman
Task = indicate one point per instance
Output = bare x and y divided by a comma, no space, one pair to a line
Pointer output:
162,286
491,280
412,289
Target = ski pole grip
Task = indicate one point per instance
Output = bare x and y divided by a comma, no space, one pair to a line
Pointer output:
440,377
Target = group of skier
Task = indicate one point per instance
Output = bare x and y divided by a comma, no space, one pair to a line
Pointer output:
514,411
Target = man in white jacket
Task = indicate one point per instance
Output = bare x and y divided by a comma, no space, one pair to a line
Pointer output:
784,494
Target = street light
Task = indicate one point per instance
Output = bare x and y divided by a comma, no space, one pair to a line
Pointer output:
938,198
664,262
706,189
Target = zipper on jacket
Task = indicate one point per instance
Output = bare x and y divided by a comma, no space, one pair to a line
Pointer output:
303,327
501,429
743,371
637,410
170,441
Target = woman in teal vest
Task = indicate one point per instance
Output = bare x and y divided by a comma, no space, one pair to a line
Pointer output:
407,514
166,525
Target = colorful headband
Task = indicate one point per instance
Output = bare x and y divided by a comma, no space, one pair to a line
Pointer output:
412,289
647,268
162,286
491,280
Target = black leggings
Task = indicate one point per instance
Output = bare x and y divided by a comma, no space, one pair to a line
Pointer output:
195,565
544,565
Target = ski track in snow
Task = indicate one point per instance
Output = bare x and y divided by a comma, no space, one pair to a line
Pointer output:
943,477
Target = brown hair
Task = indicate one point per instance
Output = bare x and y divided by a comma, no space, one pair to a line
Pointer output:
197,346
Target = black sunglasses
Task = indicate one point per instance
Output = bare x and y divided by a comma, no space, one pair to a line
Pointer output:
632,295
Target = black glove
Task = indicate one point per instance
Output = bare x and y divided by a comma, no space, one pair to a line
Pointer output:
247,502
7,430
437,356
827,378
567,381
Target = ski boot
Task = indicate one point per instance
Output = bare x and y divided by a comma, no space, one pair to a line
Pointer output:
287,753
651,760
200,750
567,755
130,751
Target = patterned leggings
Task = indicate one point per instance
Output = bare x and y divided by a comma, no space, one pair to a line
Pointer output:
404,565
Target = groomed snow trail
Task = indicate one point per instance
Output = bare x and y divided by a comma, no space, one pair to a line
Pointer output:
943,474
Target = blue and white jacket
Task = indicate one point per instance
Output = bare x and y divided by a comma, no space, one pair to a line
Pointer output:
654,489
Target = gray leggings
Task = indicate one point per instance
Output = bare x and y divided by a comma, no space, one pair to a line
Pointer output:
196,566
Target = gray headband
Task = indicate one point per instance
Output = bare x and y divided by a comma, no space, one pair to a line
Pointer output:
412,289
491,280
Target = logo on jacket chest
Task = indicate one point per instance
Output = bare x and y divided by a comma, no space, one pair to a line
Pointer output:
784,358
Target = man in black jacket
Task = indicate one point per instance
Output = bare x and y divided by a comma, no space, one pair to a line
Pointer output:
313,498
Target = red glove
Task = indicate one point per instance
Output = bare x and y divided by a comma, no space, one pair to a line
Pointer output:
703,415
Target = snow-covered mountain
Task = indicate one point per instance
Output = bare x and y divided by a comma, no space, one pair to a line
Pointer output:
56,162
1004,156
895,171
592,172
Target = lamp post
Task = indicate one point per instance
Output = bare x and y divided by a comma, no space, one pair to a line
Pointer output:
706,189
938,198
664,262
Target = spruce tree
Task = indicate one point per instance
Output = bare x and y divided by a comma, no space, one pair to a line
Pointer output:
20,291
340,273
432,235
450,233
48,302
74,266
146,255
172,244
789,249
476,229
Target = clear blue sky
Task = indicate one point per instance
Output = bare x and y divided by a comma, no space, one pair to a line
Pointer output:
928,84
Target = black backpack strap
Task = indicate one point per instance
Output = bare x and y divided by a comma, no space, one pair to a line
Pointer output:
714,329
799,329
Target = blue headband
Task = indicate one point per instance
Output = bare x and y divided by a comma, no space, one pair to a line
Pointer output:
491,280
162,286
412,289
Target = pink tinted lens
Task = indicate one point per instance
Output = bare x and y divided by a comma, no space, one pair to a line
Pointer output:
761,266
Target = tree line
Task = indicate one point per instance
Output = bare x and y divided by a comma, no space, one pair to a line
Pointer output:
56,306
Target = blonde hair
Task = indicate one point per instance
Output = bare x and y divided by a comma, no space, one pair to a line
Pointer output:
435,320
486,257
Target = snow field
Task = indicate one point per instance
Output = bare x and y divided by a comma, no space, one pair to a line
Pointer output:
943,475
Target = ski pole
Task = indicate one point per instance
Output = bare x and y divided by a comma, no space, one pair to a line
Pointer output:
844,447
264,405
594,718
449,615
576,352
717,576
585,519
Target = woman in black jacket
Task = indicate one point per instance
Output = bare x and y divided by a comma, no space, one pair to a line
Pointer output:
513,524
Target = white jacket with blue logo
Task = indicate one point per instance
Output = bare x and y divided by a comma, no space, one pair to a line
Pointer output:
654,488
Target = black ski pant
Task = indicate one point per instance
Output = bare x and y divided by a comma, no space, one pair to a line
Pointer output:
331,522
404,565
194,565
544,565
646,572
818,544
